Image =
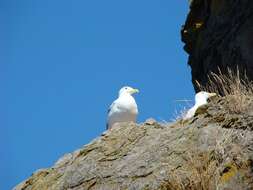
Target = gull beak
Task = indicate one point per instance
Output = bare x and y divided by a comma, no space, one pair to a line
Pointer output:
212,94
135,91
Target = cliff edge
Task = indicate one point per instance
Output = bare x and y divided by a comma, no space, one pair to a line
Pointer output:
213,150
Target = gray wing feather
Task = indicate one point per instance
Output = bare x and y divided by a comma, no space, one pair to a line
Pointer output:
110,108
108,111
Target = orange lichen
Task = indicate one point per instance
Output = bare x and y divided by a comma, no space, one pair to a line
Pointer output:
198,25
229,171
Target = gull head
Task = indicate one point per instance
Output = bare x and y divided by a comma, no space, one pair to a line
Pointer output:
127,90
202,97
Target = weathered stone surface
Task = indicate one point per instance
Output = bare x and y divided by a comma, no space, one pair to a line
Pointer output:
218,33
213,150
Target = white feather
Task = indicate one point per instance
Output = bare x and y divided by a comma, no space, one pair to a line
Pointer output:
123,109
200,100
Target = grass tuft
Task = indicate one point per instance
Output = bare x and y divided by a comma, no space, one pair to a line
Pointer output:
233,84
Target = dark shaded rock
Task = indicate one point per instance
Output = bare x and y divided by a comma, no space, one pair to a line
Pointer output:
213,150
218,34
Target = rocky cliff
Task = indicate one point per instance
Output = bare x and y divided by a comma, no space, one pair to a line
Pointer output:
218,34
213,150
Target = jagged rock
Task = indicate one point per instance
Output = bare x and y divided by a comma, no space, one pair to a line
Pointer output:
150,121
219,34
213,150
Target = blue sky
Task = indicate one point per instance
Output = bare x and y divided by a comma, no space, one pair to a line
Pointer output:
63,62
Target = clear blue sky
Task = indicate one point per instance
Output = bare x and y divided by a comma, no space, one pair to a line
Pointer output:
62,63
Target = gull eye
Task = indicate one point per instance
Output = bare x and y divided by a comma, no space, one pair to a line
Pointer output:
125,88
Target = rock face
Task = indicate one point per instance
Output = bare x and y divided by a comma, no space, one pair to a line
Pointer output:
218,34
213,150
